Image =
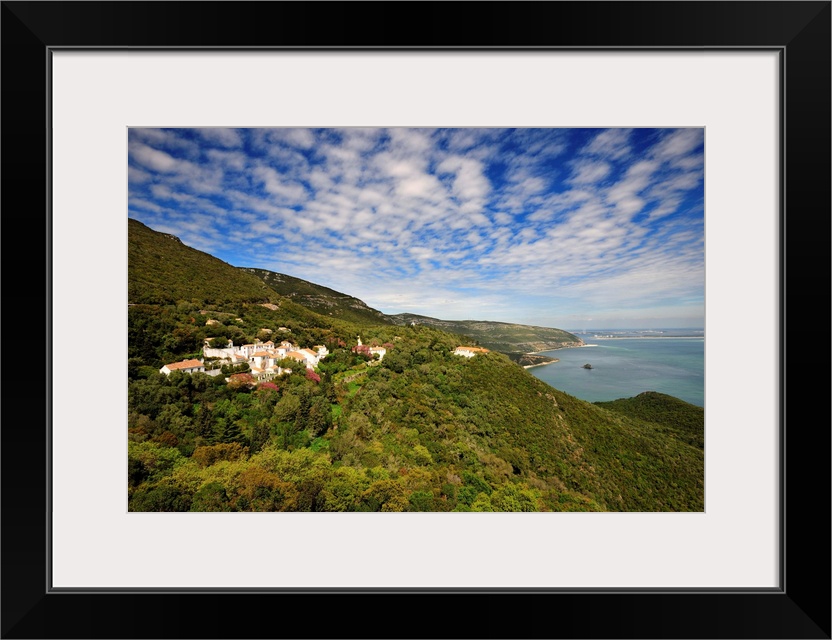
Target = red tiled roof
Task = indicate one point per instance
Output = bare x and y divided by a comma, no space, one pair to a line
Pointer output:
185,364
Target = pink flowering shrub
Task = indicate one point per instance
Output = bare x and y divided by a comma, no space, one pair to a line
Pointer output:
268,386
311,375
239,380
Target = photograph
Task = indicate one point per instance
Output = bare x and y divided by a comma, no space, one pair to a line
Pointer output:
461,280
371,319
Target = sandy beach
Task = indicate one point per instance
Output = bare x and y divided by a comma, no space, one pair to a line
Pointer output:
540,364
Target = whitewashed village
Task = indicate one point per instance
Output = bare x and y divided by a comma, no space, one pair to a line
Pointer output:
263,358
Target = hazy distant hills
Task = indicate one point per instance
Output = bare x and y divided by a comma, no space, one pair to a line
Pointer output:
498,336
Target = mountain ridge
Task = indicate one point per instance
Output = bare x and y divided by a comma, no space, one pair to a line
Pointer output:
505,337
155,257
318,297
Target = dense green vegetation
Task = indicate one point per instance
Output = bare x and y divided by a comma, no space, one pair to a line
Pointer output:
668,414
499,336
420,430
162,270
320,299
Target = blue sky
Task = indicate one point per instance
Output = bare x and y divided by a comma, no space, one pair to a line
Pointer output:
569,228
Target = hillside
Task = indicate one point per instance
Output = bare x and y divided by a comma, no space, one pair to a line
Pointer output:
498,336
669,414
423,430
319,298
162,270
419,430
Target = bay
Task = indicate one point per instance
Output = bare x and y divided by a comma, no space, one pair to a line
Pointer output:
628,362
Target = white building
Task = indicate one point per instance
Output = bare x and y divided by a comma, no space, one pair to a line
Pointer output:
379,350
185,366
469,352
226,352
306,356
312,357
262,357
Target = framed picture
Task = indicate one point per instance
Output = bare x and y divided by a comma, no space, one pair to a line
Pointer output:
754,75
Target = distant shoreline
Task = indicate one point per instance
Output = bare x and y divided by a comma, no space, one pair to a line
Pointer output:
577,346
540,364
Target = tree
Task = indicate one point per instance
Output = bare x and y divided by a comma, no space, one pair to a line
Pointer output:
260,434
228,431
241,381
211,497
319,417
284,419
421,501
161,497
510,497
208,455
262,490
397,361
137,472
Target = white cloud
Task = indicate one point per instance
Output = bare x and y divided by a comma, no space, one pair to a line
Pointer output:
469,182
300,138
610,143
167,139
516,218
679,143
141,203
137,176
228,138
153,159
235,160
286,191
410,141
587,172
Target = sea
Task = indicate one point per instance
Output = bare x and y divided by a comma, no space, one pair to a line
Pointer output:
627,362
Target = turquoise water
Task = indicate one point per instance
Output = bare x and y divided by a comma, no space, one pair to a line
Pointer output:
630,362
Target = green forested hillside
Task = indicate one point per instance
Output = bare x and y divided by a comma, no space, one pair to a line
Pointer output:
320,299
504,337
419,430
669,414
162,270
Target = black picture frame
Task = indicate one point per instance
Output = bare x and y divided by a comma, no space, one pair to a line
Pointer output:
800,31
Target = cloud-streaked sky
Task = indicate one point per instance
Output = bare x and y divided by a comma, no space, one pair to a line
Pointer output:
568,228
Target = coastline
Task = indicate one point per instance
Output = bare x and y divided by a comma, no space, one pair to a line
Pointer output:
540,364
553,360
577,346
